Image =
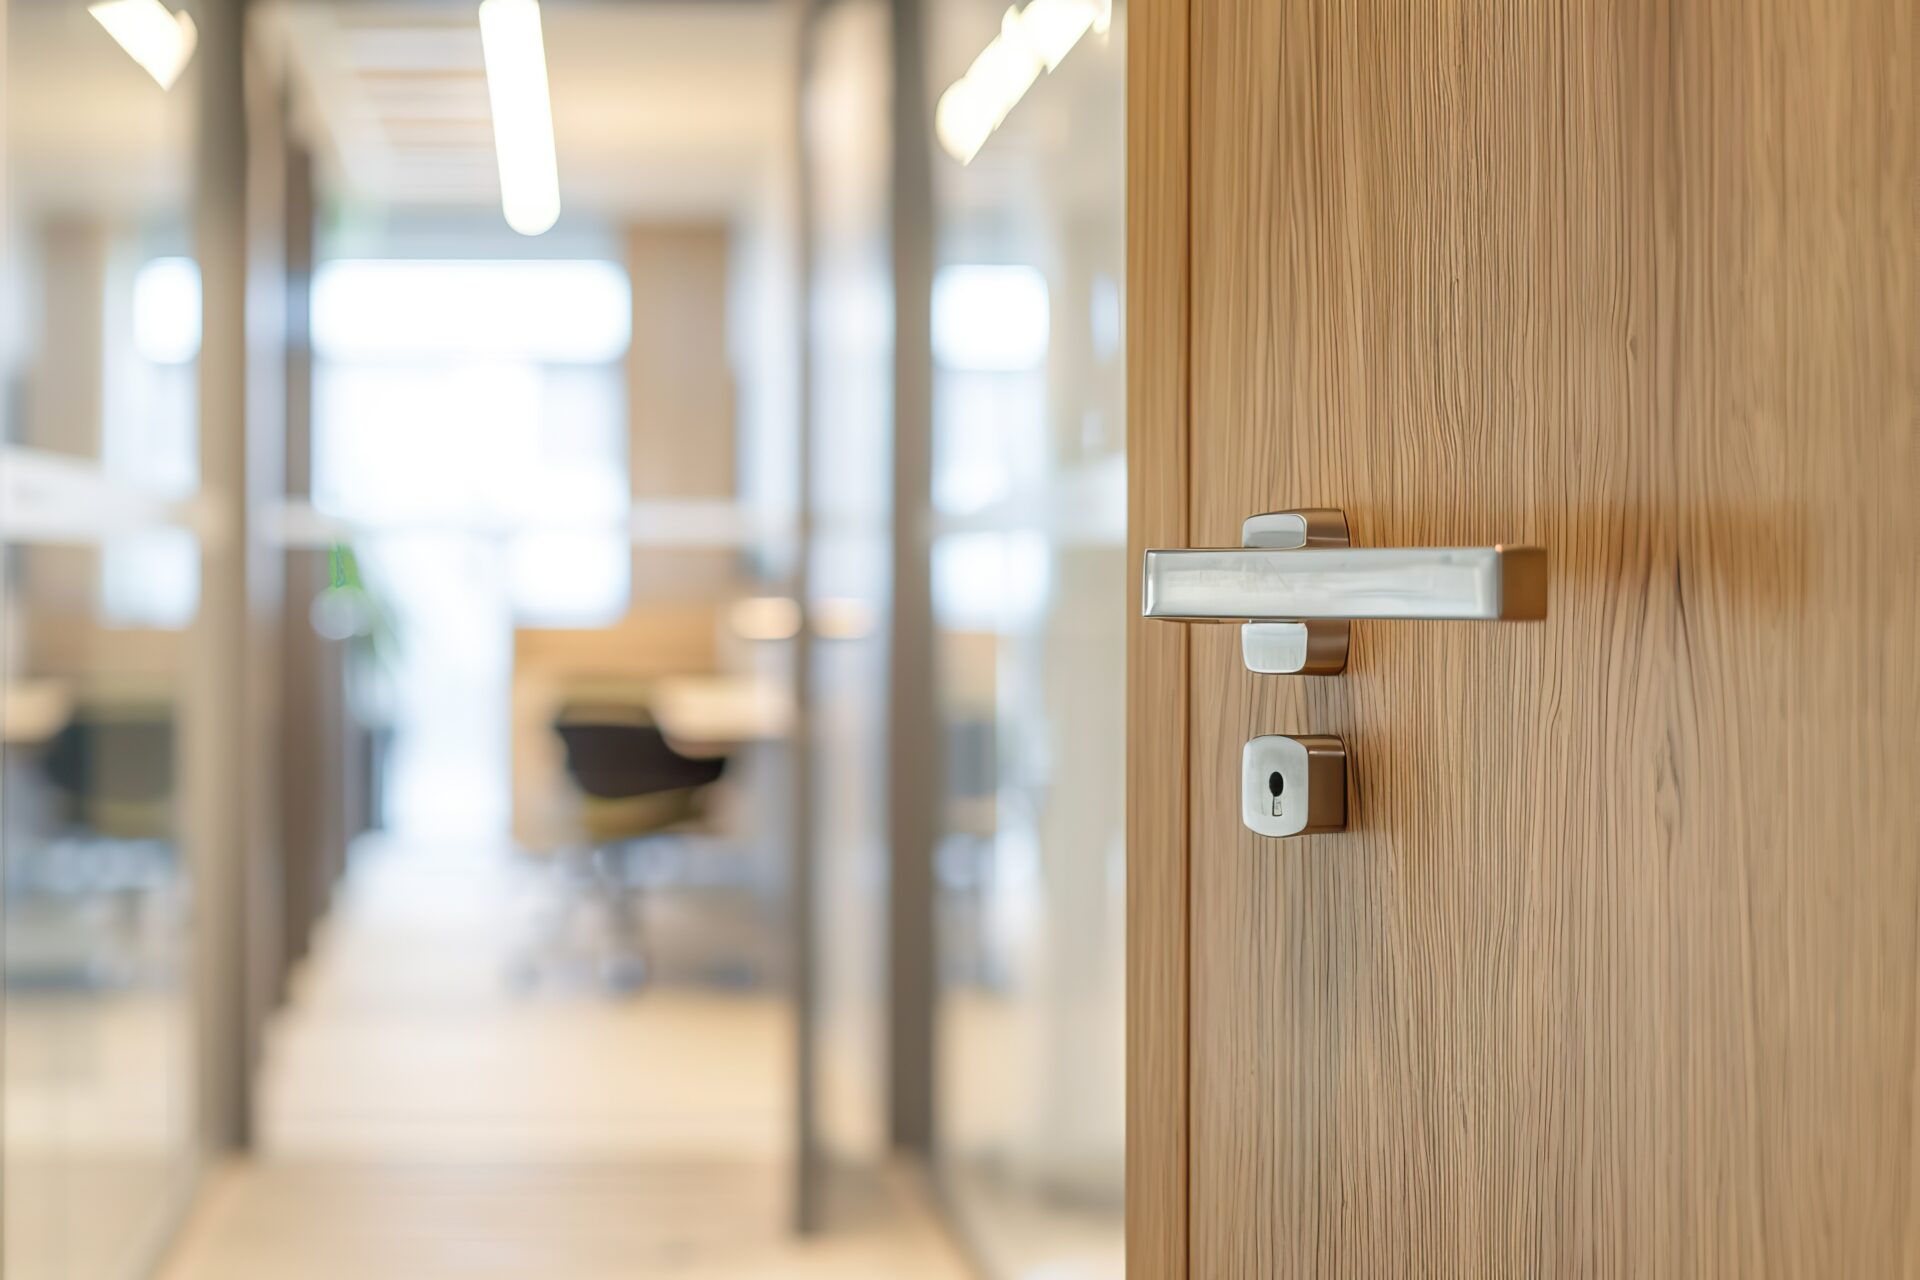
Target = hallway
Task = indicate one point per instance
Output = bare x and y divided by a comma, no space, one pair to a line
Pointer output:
420,1118
473,475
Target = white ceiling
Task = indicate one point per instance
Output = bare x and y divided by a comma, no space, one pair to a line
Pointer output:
660,109
86,129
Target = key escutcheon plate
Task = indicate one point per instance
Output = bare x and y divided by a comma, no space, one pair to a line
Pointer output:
1293,785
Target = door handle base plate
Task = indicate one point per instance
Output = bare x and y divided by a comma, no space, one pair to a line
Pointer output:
1296,648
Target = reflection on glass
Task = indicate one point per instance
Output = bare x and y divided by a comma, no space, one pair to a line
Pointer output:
849,575
97,1066
1029,557
989,317
100,310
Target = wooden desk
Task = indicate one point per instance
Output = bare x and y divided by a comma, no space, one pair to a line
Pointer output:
708,715
34,710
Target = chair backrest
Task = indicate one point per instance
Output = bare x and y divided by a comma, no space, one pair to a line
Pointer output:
556,667
125,757
612,758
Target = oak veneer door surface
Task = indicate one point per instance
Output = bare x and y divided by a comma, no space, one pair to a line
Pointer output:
1616,970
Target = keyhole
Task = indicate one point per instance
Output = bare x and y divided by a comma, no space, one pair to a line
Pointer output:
1276,784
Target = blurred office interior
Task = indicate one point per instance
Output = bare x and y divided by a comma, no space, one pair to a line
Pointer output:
562,638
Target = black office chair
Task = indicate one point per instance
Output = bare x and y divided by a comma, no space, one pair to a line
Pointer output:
618,753
116,771
638,791
87,869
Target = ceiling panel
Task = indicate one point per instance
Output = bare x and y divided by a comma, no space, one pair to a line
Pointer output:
660,108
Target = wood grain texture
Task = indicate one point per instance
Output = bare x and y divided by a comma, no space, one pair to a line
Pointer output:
1616,972
1157,389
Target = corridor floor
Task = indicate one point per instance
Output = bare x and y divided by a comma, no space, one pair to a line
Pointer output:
421,1120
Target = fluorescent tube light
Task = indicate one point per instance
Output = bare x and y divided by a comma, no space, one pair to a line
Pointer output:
516,57
161,41
1050,28
1031,40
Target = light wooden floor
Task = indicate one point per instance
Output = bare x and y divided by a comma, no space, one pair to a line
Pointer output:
292,1220
420,1120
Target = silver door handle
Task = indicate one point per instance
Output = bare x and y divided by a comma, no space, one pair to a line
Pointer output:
1297,583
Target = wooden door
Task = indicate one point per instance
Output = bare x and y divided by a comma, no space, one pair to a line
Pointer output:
1615,971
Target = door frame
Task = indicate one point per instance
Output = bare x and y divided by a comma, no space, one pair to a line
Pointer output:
1158,397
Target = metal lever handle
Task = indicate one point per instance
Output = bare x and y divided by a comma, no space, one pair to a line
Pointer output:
1297,583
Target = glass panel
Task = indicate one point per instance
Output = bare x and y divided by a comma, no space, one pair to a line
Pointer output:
480,457
99,340
572,676
850,574
1029,558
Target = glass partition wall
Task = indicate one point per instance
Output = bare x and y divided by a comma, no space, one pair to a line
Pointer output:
99,340
1029,562
849,552
562,469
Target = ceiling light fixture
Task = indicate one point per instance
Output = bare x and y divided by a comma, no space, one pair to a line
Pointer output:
516,57
159,40
1031,40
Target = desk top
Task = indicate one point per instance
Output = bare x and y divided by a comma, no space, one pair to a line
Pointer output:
34,710
705,715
